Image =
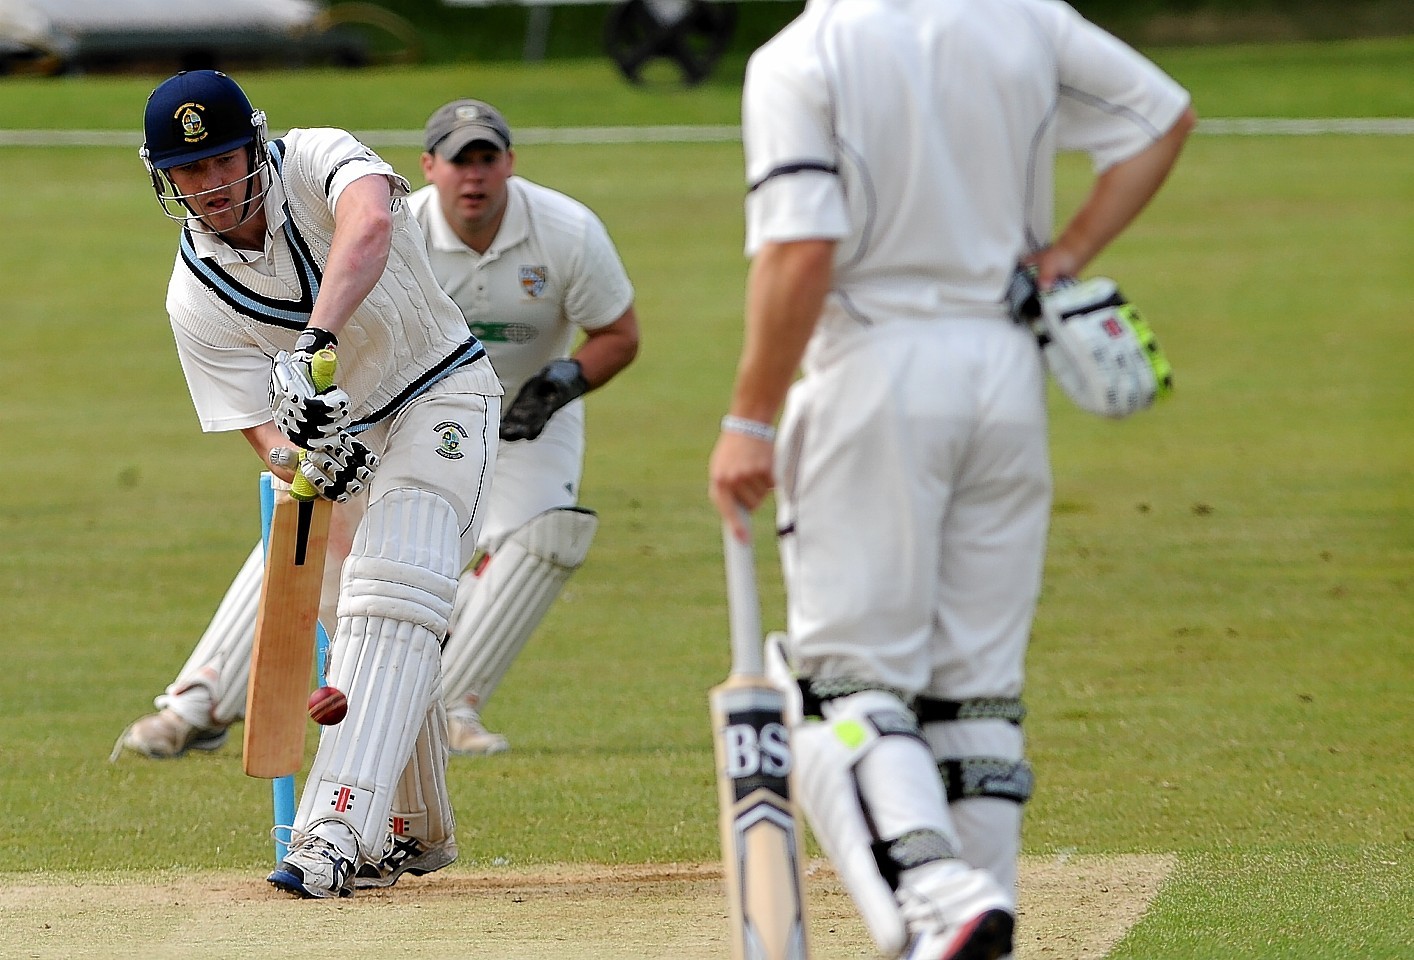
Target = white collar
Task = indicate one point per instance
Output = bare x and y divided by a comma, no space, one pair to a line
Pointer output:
208,246
515,225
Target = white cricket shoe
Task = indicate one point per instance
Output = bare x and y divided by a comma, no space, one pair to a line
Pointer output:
404,855
314,868
166,735
468,736
956,913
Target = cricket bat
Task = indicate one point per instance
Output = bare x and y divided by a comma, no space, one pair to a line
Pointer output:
282,659
761,848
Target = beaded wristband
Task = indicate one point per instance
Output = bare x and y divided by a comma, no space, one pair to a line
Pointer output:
749,428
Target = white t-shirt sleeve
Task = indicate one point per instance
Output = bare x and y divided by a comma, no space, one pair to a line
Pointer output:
1113,101
229,383
794,191
599,291
332,159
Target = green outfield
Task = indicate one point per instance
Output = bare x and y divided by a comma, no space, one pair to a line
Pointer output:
1222,667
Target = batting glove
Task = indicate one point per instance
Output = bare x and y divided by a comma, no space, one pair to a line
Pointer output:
305,415
339,468
310,341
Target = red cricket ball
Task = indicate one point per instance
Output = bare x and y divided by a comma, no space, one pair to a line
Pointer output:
327,705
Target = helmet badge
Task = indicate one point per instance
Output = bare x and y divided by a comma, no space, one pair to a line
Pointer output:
193,125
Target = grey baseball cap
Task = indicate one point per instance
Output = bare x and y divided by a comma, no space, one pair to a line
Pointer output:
461,122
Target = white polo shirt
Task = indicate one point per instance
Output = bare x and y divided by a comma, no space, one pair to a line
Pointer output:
551,271
955,111
231,311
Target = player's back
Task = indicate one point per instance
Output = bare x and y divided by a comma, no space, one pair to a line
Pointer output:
941,112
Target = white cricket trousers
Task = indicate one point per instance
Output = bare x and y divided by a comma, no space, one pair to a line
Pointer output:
913,496
533,476
445,442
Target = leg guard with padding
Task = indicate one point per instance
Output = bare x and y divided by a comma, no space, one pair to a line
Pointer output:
398,585
501,600
210,689
979,749
870,789
421,806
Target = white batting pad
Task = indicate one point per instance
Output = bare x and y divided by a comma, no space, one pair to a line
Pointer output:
220,663
398,586
421,807
858,784
988,827
501,601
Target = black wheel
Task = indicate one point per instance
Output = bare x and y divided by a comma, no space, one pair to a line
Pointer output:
692,33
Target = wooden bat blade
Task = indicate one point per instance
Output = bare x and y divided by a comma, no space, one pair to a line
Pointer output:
282,659
761,846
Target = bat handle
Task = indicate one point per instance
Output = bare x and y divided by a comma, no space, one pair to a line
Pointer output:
743,603
321,371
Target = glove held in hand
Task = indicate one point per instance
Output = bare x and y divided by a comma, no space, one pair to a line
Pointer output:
1095,344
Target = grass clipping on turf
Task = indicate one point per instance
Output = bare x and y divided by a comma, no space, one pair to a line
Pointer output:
1071,908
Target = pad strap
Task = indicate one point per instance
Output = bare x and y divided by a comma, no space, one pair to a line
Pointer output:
933,710
987,777
913,849
814,692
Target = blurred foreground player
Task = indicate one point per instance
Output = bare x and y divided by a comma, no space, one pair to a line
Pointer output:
899,158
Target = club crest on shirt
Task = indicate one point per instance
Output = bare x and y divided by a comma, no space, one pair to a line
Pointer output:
193,124
532,279
450,435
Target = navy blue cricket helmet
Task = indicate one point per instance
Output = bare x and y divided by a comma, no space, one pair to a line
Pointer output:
195,115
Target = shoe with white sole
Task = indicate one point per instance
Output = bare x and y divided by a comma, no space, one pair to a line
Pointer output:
166,735
314,869
956,913
404,855
468,736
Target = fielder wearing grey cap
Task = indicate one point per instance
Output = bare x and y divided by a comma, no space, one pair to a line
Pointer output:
463,122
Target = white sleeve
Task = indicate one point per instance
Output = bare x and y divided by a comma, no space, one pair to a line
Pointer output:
331,159
1113,101
600,291
794,191
229,383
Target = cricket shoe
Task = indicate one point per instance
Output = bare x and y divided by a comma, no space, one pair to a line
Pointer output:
468,736
956,913
314,868
404,855
166,735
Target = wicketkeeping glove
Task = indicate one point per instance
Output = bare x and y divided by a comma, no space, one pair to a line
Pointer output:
1096,345
339,467
549,390
306,415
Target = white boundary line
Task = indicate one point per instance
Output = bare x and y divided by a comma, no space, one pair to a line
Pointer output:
1218,126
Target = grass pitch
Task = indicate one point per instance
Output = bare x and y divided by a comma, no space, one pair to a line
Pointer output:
1222,664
